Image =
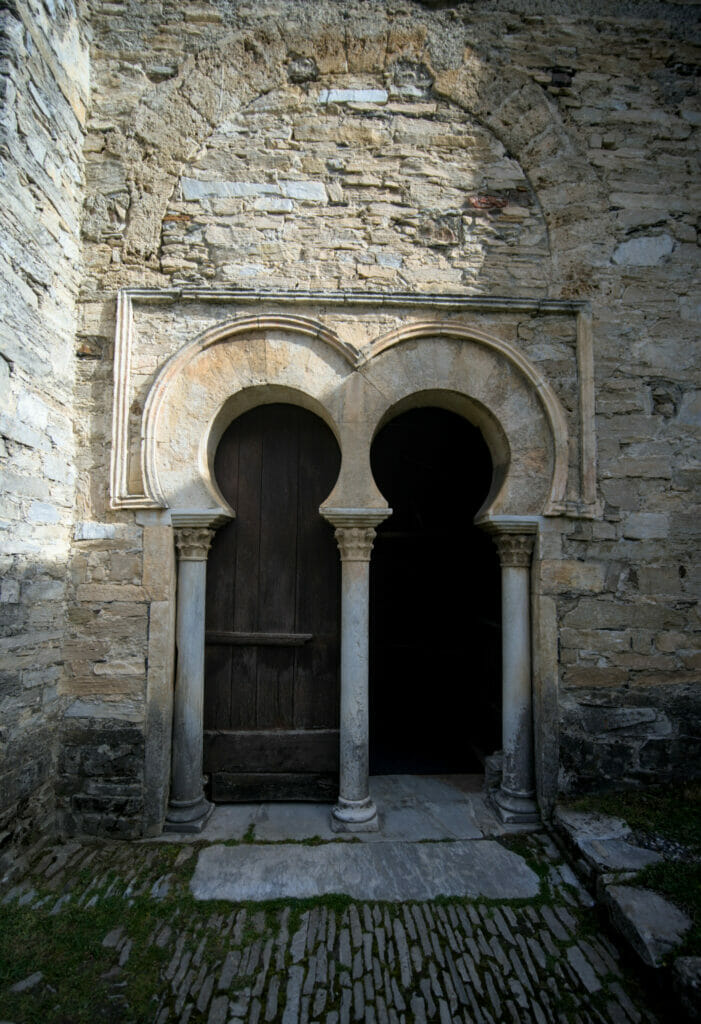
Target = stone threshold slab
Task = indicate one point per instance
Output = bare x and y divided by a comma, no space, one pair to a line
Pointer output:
387,871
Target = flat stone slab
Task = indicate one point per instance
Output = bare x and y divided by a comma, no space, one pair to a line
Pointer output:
686,981
651,924
583,826
377,871
616,855
410,807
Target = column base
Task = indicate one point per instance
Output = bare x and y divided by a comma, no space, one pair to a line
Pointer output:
354,816
189,816
516,808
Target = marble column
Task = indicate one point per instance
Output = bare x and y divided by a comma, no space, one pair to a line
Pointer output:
355,533
515,798
188,809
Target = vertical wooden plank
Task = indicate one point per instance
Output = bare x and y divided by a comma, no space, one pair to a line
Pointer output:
247,569
217,690
220,587
318,582
278,553
243,663
278,538
275,688
248,518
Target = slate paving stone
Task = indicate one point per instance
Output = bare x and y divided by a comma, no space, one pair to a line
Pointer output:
477,960
652,925
387,871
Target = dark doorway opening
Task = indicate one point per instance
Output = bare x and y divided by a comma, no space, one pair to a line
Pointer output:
435,609
271,700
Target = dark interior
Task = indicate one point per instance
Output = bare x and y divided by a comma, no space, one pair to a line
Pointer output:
435,609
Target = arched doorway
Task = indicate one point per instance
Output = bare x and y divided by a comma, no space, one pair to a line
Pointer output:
272,613
435,662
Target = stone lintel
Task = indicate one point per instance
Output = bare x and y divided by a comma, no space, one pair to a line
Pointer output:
212,518
349,517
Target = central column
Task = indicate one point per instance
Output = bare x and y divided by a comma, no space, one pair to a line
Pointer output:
355,533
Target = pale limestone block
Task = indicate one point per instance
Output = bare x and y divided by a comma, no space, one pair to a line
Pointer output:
45,590
645,251
646,525
159,562
9,592
31,409
573,575
94,531
43,512
120,667
106,592
273,204
87,685
353,96
159,692
196,189
311,191
128,710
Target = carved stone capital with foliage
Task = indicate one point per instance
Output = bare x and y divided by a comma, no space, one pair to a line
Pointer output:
193,543
515,549
355,542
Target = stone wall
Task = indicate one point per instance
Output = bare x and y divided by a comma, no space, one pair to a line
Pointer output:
44,92
513,151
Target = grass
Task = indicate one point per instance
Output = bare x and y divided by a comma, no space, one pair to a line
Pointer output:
80,984
671,811
67,948
679,882
674,813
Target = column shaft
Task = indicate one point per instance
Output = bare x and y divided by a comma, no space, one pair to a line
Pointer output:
515,798
355,810
517,719
355,732
188,808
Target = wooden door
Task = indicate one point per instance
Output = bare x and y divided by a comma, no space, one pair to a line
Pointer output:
273,613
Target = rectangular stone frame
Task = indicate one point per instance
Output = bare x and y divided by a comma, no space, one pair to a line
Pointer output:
543,614
124,498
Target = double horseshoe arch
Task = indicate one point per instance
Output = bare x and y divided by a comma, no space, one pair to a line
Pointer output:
257,360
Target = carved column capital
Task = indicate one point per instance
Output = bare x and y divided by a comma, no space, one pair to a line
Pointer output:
355,530
515,549
514,537
193,543
355,542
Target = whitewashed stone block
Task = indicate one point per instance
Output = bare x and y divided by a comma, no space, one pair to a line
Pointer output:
646,526
643,252
353,96
43,512
94,531
311,190
271,204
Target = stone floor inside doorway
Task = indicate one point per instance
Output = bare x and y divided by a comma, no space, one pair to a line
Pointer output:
269,917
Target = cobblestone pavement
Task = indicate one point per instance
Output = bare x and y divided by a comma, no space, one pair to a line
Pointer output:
155,954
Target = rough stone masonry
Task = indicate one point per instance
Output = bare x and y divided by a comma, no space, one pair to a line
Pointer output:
186,148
